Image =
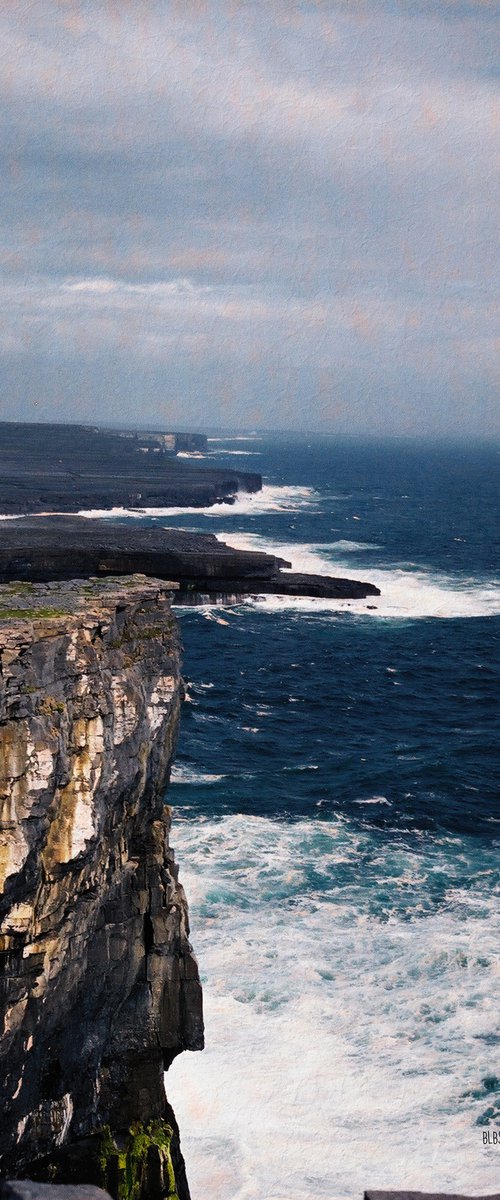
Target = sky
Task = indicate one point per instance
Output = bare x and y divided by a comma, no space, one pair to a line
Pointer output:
263,214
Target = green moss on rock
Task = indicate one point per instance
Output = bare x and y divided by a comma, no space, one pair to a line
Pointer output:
18,587
29,614
124,1171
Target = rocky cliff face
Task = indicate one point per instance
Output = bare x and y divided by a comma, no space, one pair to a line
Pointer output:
99,987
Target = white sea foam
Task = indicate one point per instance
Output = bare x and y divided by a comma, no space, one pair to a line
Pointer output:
350,547
215,454
303,767
341,1044
19,516
270,499
186,775
404,593
375,800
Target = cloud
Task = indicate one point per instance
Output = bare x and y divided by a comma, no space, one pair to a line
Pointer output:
263,192
360,334
103,287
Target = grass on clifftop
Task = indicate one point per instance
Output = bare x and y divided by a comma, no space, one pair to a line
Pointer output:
29,614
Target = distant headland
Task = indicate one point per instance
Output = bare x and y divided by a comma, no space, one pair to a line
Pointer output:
53,472
66,468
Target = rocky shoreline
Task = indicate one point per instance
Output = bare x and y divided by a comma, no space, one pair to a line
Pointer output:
71,468
42,549
51,472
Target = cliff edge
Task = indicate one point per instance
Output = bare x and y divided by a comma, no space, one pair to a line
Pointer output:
99,989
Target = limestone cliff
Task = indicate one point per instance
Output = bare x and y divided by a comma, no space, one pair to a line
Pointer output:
99,987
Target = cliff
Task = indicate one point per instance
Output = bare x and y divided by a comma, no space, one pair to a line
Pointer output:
99,989
65,468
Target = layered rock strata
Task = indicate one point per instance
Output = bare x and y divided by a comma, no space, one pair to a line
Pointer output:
47,548
68,468
99,989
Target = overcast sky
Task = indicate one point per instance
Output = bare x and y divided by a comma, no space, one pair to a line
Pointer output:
269,213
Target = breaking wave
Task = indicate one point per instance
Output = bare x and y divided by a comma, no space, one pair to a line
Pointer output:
269,499
405,594
348,1014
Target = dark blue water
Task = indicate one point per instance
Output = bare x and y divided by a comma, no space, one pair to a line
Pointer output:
435,506
406,712
398,707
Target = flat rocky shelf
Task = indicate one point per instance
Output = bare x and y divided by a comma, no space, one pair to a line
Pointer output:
71,468
44,549
58,601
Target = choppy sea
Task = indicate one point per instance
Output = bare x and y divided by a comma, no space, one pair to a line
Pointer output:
337,825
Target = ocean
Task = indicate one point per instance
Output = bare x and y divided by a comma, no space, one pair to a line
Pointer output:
337,826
